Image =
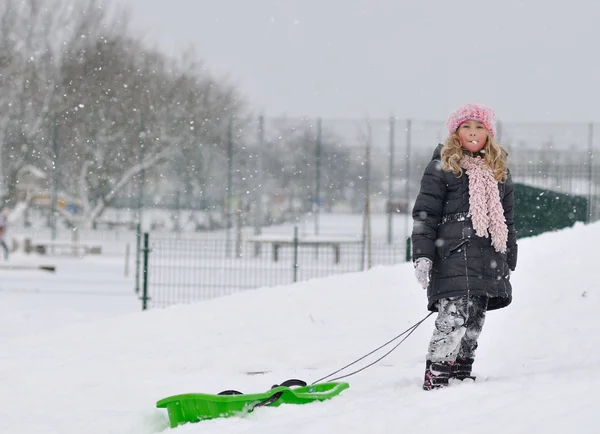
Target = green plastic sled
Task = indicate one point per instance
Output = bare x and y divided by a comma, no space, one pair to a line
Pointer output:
195,407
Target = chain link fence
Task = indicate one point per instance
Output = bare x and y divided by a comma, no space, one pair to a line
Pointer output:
289,169
273,170
187,270
269,173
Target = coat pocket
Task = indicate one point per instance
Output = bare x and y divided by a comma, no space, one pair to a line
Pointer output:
455,246
495,266
452,260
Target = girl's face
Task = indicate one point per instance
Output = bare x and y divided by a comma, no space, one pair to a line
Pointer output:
472,135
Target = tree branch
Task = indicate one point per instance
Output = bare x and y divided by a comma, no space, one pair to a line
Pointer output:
83,196
126,178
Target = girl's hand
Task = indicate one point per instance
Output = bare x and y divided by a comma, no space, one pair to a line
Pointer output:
423,271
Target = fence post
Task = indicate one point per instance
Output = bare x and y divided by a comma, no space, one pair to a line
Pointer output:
408,176
137,257
391,210
127,260
316,201
229,204
178,219
258,212
238,233
142,174
368,246
54,196
145,274
590,172
295,253
366,211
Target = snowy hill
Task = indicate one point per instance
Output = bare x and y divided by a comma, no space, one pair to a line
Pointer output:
535,364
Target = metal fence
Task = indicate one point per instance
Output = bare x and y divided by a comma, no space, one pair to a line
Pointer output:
188,270
273,170
316,166
323,164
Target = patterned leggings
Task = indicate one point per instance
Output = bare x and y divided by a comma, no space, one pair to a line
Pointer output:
457,328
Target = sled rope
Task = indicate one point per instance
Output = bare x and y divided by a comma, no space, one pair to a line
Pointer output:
409,330
295,382
276,396
270,400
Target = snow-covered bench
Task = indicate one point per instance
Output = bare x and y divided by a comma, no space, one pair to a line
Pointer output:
60,248
278,241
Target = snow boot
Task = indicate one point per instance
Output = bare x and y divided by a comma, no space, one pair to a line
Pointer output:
461,370
437,374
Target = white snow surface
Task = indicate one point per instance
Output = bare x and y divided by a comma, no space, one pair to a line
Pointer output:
78,357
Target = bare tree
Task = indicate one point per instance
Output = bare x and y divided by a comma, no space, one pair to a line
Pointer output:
35,37
81,98
133,109
28,72
290,158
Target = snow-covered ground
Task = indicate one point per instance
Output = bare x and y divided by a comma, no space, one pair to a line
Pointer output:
78,357
346,223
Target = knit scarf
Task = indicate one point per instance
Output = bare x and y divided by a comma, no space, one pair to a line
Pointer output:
486,210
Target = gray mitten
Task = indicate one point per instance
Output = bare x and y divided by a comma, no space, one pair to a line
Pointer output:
423,271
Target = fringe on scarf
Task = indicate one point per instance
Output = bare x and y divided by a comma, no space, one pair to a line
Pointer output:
486,209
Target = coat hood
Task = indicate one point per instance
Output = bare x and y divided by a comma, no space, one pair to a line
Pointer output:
437,153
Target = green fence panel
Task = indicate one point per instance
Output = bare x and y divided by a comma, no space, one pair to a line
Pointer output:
540,210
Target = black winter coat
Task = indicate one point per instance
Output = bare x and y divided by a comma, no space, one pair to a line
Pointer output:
463,263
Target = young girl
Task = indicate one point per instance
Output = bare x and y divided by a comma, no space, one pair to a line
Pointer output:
464,240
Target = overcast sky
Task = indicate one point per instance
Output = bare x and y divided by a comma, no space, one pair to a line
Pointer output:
531,60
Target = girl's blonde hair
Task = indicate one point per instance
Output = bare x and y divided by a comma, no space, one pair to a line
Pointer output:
495,157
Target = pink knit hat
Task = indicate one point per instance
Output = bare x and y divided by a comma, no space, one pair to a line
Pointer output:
472,112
